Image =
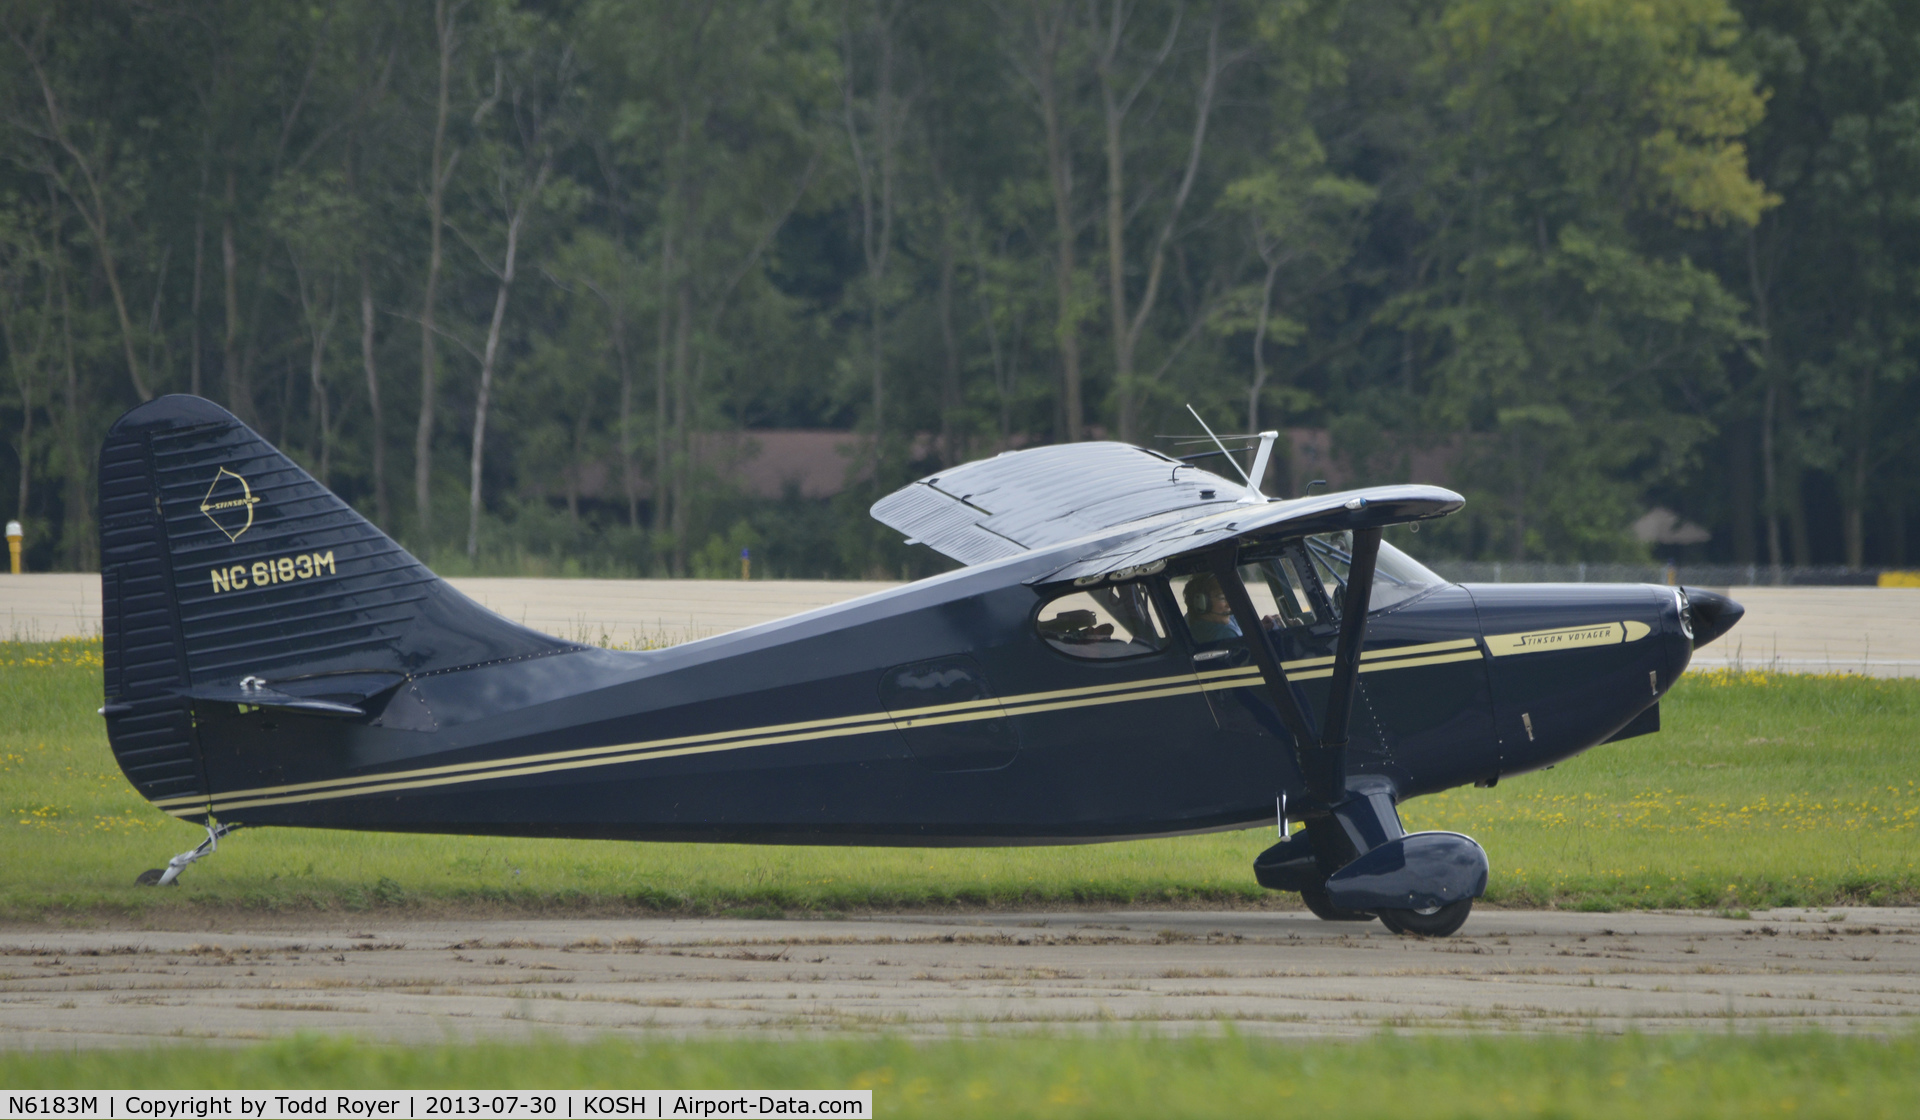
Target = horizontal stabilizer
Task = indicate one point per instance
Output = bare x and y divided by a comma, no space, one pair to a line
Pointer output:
261,697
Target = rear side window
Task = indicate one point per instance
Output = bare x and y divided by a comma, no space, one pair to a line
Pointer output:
1103,623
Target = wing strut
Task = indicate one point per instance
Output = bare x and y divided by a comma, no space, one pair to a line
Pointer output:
1329,777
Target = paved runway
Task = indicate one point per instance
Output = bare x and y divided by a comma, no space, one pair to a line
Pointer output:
1800,629
1275,973
1875,630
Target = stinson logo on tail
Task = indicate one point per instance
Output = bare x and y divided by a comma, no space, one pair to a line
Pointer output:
230,510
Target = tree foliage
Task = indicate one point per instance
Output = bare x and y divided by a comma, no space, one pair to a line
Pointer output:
496,271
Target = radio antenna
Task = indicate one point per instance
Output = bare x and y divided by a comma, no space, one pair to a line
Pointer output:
1223,449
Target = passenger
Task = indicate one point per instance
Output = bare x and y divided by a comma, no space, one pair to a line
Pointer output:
1209,615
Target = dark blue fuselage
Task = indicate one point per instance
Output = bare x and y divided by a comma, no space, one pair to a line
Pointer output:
935,714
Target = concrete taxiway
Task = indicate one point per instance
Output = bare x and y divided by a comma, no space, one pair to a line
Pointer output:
1274,973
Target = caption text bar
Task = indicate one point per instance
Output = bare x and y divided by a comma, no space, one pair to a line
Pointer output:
437,1104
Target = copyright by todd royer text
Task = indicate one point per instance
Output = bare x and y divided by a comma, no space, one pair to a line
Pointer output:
263,1104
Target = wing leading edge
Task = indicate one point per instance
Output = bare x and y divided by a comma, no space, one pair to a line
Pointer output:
1023,501
1372,508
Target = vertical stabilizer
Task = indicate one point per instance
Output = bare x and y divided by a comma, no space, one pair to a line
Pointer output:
224,565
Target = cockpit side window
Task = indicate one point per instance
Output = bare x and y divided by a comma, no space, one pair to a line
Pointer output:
1285,585
1290,589
1103,623
1205,609
1273,584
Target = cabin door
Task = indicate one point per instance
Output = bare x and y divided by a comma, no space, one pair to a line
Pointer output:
1239,696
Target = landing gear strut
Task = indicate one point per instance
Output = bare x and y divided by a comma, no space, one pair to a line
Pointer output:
1357,863
166,876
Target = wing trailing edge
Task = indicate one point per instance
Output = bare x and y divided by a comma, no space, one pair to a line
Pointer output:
1022,501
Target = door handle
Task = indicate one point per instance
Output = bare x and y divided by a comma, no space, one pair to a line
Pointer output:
1210,655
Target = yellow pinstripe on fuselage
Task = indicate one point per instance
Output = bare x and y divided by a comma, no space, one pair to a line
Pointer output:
1314,668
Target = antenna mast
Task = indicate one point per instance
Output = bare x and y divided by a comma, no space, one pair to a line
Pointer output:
1260,457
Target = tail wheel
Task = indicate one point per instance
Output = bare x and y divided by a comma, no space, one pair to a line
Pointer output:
1434,921
1323,908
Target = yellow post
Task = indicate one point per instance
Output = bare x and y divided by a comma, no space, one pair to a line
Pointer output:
14,536
746,563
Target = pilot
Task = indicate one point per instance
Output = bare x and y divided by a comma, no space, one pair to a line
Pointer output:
1209,615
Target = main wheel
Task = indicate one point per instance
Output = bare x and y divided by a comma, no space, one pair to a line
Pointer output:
1434,921
1323,908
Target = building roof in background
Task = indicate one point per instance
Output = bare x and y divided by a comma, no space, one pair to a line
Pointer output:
761,463
1311,455
775,462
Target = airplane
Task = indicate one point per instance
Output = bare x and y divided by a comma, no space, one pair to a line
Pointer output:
1131,647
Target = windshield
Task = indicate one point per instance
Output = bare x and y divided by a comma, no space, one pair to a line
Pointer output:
1397,577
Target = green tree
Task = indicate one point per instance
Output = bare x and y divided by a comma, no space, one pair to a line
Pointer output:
1832,272
1561,334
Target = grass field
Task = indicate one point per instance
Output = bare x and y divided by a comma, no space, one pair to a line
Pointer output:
1649,1078
1763,790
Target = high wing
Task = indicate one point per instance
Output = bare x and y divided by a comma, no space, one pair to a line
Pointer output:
1131,506
1021,501
1372,508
